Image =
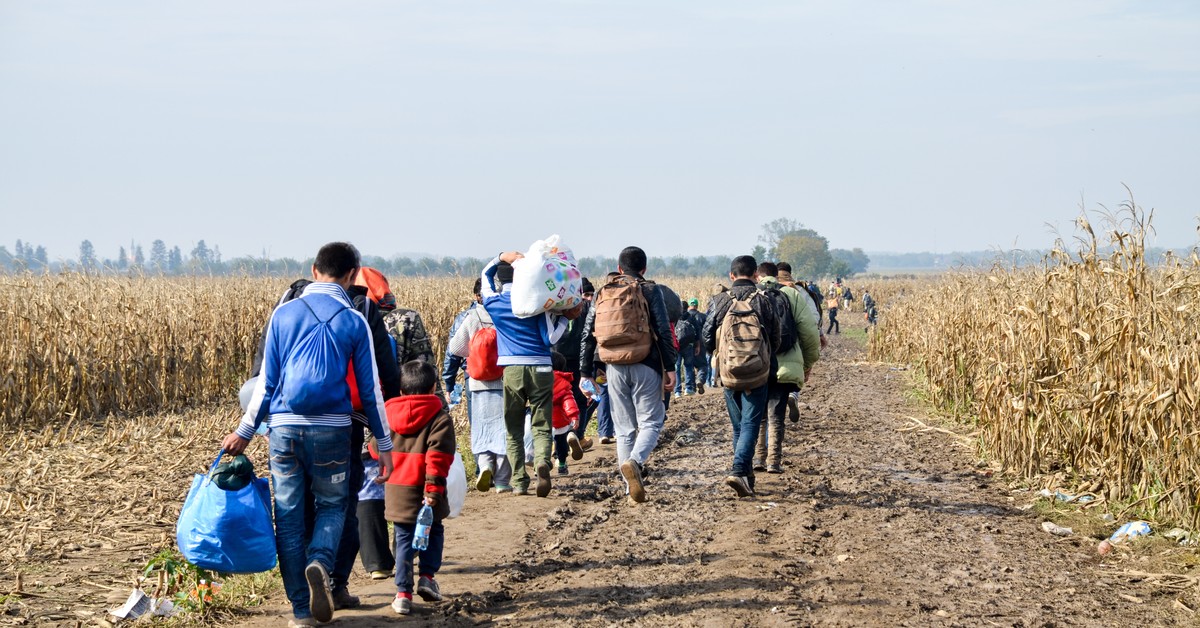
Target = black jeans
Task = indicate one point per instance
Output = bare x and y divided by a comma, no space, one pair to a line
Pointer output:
376,544
833,322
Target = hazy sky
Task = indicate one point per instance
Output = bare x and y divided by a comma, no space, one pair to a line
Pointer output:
463,128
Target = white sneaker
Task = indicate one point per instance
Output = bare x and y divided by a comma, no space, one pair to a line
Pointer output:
402,605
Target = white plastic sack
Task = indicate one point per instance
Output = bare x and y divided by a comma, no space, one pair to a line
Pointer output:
547,278
456,486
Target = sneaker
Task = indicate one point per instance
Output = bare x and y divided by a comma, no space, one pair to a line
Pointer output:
633,477
428,589
575,446
741,485
700,388
380,574
503,489
320,598
543,479
760,465
562,469
305,621
484,481
607,440
775,468
586,443
343,599
402,605
520,490
793,405
678,395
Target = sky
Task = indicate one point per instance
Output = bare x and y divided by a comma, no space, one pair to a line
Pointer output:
465,128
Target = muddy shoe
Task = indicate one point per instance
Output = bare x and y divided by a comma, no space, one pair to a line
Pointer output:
402,605
520,490
543,479
760,465
741,485
575,446
320,599
793,405
775,468
607,440
633,477
562,469
343,599
304,621
700,388
484,481
586,443
428,589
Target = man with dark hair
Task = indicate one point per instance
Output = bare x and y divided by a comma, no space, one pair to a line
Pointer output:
746,406
799,349
524,345
697,319
635,389
312,341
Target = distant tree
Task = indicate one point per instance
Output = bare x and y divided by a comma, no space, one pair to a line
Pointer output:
760,253
158,256
6,259
773,232
87,257
853,261
122,259
807,252
201,257
40,257
175,260
679,266
139,258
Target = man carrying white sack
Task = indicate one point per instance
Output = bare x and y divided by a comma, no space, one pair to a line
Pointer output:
523,345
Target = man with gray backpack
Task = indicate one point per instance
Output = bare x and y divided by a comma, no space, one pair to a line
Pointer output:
743,332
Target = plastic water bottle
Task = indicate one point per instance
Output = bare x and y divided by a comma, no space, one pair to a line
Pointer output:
421,532
587,386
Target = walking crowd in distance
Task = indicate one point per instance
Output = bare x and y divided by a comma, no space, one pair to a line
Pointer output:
357,417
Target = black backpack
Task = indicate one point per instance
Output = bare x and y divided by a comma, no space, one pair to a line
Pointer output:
783,312
685,333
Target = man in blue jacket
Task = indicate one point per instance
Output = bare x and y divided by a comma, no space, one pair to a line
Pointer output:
311,343
523,348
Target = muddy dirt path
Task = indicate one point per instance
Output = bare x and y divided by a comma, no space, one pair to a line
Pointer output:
869,525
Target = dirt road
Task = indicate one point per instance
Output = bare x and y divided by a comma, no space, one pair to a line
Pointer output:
869,525
872,524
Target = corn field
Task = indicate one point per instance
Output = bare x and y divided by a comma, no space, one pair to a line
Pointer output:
1087,367
86,347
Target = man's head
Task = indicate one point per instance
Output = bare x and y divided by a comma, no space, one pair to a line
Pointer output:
742,267
477,290
632,260
337,262
784,267
768,269
417,377
504,273
694,302
587,289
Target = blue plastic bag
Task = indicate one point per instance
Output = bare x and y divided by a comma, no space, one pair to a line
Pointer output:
227,531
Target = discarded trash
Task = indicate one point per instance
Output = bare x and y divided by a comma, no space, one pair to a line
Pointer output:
1104,548
1066,497
1056,530
1130,530
767,506
1108,516
137,605
1179,535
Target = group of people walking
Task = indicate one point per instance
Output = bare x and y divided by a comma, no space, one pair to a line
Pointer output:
339,358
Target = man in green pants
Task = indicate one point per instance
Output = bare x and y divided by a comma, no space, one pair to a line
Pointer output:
523,346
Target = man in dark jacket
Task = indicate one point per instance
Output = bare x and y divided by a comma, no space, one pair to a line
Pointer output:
569,346
636,390
746,407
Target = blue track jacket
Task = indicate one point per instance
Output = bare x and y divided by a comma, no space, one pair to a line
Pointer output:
290,386
519,341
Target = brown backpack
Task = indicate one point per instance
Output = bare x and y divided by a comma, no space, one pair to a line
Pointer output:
743,352
622,323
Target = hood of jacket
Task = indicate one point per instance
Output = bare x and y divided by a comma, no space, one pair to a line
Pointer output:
563,381
409,414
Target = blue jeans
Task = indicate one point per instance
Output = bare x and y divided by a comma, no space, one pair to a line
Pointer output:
308,465
746,409
685,369
709,379
604,424
431,557
347,551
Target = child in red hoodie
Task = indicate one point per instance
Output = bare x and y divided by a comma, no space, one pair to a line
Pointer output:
565,414
423,450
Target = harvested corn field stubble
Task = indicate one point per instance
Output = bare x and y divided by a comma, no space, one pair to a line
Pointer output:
1083,373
